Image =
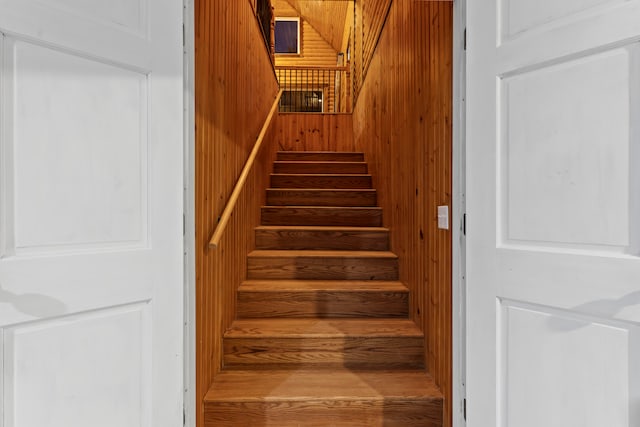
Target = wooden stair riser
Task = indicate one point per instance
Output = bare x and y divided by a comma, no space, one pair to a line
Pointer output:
320,181
330,238
409,412
309,215
320,167
342,304
320,197
322,268
353,352
329,156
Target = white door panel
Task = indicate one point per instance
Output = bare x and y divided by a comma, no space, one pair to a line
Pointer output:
91,213
553,198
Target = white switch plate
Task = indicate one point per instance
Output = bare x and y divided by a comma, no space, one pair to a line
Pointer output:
443,217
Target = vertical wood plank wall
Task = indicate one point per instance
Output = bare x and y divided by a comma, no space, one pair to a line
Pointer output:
402,121
235,87
369,20
314,132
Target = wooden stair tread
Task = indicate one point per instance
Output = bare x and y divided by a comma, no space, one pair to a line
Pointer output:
322,328
320,253
309,384
322,285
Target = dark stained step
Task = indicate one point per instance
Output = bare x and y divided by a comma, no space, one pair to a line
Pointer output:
320,167
320,398
332,156
364,343
322,265
322,237
322,215
320,181
318,298
321,197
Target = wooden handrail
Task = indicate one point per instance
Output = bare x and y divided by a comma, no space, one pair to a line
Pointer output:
233,199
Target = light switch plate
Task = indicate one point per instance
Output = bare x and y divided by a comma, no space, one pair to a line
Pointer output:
443,217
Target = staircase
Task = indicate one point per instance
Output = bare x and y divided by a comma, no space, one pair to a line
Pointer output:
322,336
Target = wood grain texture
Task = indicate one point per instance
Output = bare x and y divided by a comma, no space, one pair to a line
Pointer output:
322,215
370,17
336,156
322,265
320,197
327,17
304,309
323,328
246,170
322,238
402,121
315,50
320,181
355,343
320,299
233,75
321,398
320,167
315,132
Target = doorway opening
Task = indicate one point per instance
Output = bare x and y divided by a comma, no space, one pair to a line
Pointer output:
400,57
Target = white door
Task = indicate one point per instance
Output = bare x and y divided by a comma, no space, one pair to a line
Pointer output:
91,213
553,226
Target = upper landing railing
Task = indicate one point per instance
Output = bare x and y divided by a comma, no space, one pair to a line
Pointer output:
314,89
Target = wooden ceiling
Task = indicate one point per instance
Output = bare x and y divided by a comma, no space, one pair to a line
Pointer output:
328,17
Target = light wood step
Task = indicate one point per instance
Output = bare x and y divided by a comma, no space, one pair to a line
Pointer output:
335,156
261,343
322,265
321,398
309,298
320,181
321,197
320,167
322,215
322,237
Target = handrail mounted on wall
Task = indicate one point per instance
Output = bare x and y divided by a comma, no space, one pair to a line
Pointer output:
228,209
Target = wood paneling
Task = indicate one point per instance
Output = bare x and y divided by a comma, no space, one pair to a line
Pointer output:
402,121
374,13
370,16
392,398
327,17
233,75
315,132
316,51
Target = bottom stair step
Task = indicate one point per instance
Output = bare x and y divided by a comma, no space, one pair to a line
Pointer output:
338,397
